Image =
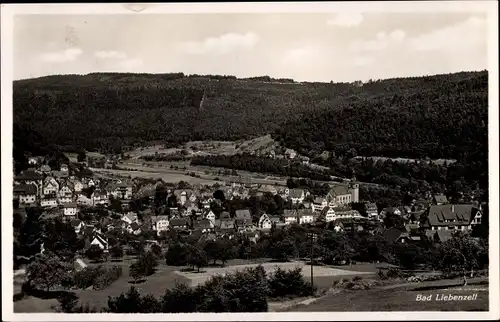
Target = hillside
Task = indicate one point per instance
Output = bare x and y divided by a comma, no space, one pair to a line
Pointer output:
436,116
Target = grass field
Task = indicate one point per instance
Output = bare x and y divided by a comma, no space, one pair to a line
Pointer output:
402,298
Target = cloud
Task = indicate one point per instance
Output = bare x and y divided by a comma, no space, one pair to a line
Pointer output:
67,55
221,45
346,20
469,33
110,54
379,43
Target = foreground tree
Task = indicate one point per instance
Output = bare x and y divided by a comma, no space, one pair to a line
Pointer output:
48,271
94,253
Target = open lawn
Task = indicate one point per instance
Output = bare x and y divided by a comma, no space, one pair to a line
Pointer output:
323,275
404,298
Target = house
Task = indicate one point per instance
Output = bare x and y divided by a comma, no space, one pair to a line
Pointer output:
134,228
451,217
328,214
48,202
204,225
439,200
319,204
297,195
130,218
291,154
339,195
160,223
78,225
305,216
101,241
33,161
439,236
252,236
347,214
45,169
65,199
82,200
371,210
179,223
64,168
77,186
100,197
224,215
227,224
26,194
390,211
209,214
276,220
70,209
124,191
65,189
265,222
266,188
290,216
395,235
50,186
243,218
29,177
182,195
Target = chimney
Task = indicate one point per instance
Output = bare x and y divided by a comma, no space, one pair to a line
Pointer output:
452,208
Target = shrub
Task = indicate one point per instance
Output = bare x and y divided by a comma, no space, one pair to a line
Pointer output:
85,278
107,276
291,283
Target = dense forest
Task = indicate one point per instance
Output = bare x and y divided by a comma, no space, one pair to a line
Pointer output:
433,116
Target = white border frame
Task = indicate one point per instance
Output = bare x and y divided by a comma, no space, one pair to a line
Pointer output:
7,13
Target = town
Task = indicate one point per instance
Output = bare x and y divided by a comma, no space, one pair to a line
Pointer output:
114,216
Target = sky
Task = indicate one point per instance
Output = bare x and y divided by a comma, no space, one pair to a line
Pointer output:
335,47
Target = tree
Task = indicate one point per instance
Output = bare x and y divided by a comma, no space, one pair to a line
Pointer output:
219,195
81,156
147,262
30,236
68,302
94,253
156,250
47,271
176,254
136,271
196,257
460,253
116,251
126,303
61,239
283,250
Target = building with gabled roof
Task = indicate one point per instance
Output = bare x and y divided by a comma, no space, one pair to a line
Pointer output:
451,217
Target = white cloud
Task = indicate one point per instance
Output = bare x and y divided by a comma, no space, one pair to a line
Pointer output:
346,20
472,32
110,54
67,55
221,45
379,43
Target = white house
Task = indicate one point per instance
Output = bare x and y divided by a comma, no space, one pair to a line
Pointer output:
82,200
26,193
160,223
65,199
343,214
319,204
70,209
130,218
100,198
48,202
100,241
50,186
290,216
210,216
265,222
297,195
65,189
77,186
329,214
305,216
77,225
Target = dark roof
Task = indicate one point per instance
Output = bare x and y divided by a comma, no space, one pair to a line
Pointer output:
227,223
275,219
461,214
134,226
243,221
29,175
75,222
305,212
296,193
339,190
29,189
202,224
224,214
393,234
440,199
243,214
178,222
70,205
290,213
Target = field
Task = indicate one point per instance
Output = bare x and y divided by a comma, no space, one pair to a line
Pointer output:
403,298
323,275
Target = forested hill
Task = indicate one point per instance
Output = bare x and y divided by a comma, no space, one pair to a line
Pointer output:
441,115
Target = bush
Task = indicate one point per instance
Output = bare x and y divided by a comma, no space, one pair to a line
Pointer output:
98,277
291,283
107,276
